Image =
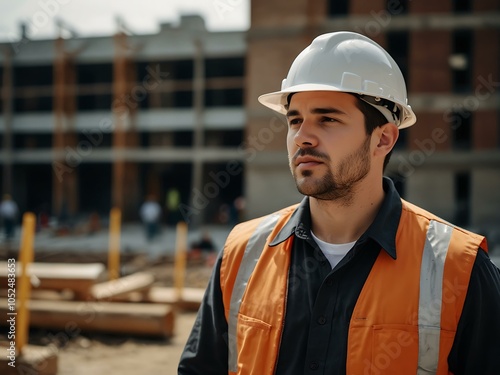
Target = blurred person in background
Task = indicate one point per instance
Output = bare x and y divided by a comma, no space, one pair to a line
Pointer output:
9,213
150,214
172,202
204,249
353,280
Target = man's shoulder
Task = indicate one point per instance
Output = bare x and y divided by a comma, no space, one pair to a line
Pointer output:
245,229
255,221
241,235
417,211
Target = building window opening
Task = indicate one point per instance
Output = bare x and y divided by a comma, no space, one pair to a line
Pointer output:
462,198
462,130
461,6
397,7
338,8
460,61
397,47
225,67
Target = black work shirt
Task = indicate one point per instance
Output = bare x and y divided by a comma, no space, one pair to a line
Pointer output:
320,303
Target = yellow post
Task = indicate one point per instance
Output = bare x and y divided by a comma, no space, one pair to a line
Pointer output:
115,218
180,258
24,286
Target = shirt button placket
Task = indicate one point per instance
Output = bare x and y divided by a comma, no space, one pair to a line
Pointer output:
314,365
321,320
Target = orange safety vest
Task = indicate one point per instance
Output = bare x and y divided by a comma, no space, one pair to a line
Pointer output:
407,331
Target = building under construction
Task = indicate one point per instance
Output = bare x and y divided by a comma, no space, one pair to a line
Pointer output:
90,123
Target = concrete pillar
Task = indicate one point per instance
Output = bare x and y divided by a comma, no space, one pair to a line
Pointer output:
65,166
7,106
432,190
199,131
125,192
485,197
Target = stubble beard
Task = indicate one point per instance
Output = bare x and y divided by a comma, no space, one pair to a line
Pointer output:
339,187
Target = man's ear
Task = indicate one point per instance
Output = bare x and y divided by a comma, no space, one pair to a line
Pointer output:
386,137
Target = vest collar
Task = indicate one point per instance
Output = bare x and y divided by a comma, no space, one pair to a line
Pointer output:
383,229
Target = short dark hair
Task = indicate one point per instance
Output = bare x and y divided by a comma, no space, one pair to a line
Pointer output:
373,119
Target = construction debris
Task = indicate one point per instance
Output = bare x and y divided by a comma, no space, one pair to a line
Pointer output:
120,288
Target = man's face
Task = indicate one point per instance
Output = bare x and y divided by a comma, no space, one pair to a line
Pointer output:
328,148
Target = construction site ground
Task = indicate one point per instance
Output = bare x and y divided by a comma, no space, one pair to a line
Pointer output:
105,354
108,354
100,353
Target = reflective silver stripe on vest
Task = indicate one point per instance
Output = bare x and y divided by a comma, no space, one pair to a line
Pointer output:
253,250
431,288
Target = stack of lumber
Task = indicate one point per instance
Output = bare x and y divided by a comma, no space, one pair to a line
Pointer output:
112,317
95,305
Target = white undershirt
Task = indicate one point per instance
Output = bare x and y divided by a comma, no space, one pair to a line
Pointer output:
332,251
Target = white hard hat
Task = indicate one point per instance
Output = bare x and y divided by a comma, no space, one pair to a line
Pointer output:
347,62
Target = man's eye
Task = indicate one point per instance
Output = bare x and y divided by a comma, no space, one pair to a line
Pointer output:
328,119
294,121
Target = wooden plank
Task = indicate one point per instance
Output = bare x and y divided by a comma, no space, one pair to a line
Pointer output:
61,276
119,288
90,271
190,298
73,317
45,294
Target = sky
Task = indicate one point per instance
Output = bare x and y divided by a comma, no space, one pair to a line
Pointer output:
98,17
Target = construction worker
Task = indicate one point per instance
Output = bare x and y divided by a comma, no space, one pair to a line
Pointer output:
150,213
353,280
8,213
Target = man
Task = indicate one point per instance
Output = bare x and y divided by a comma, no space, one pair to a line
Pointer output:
150,213
353,280
8,213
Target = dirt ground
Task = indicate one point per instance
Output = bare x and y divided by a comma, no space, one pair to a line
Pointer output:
101,355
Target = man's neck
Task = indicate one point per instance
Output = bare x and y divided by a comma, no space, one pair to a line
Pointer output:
338,222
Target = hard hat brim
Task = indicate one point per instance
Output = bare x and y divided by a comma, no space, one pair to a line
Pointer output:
277,100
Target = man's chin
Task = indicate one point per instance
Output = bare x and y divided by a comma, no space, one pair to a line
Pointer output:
307,188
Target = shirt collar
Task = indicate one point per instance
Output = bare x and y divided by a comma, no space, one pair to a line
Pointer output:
383,229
